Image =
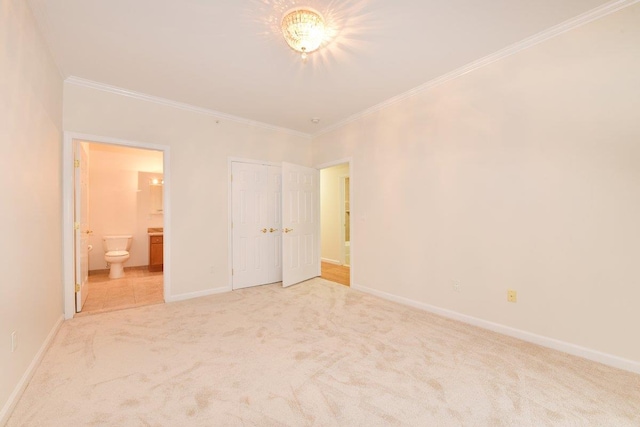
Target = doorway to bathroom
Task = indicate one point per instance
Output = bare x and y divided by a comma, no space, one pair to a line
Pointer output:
119,198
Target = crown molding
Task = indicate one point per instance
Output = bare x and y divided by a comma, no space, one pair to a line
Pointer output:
578,21
78,81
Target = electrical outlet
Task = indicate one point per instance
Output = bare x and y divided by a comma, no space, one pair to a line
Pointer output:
512,296
456,286
14,341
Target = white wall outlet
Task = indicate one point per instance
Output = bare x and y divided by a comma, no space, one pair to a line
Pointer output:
456,286
512,296
14,341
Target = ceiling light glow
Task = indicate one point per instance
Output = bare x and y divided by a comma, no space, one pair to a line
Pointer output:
303,29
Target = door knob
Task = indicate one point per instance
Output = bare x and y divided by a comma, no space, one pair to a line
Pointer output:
271,230
89,232
287,230
264,230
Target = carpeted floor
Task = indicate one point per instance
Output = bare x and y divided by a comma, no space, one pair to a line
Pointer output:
319,354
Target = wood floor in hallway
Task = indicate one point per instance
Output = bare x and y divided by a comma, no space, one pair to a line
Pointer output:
336,273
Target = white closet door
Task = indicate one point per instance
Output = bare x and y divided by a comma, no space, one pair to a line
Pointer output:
256,216
249,215
301,223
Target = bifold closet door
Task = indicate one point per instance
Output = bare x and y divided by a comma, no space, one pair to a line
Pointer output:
257,220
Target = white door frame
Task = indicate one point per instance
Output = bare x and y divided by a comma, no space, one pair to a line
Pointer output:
349,161
343,216
68,256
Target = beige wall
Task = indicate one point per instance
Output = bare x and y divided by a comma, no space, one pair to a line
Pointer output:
200,147
118,202
330,212
30,194
523,174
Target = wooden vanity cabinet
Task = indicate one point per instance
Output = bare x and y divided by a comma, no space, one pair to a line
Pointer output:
156,253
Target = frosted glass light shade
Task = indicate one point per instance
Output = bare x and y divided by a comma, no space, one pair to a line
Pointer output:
303,29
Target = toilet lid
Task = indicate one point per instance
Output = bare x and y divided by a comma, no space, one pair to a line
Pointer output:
117,253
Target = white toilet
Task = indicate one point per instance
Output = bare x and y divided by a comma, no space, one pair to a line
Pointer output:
116,252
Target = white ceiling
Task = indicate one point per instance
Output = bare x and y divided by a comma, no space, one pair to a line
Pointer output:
227,56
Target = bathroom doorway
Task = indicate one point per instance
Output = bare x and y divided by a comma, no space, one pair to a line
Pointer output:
335,219
125,194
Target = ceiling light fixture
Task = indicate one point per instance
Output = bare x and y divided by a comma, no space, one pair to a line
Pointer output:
303,29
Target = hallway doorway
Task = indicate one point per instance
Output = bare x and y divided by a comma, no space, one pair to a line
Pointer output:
335,218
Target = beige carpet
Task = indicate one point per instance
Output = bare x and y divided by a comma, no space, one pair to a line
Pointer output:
314,354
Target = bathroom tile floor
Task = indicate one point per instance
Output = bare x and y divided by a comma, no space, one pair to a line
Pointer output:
138,287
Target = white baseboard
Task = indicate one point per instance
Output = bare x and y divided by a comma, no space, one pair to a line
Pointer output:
586,353
331,261
190,295
7,409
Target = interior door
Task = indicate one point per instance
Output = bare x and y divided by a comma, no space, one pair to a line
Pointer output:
256,215
301,223
81,219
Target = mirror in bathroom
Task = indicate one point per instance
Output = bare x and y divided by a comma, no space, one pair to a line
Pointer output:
155,190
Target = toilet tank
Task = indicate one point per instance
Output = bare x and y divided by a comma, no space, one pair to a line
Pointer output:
116,243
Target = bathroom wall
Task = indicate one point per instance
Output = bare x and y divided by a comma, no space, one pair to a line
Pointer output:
331,212
30,198
118,202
